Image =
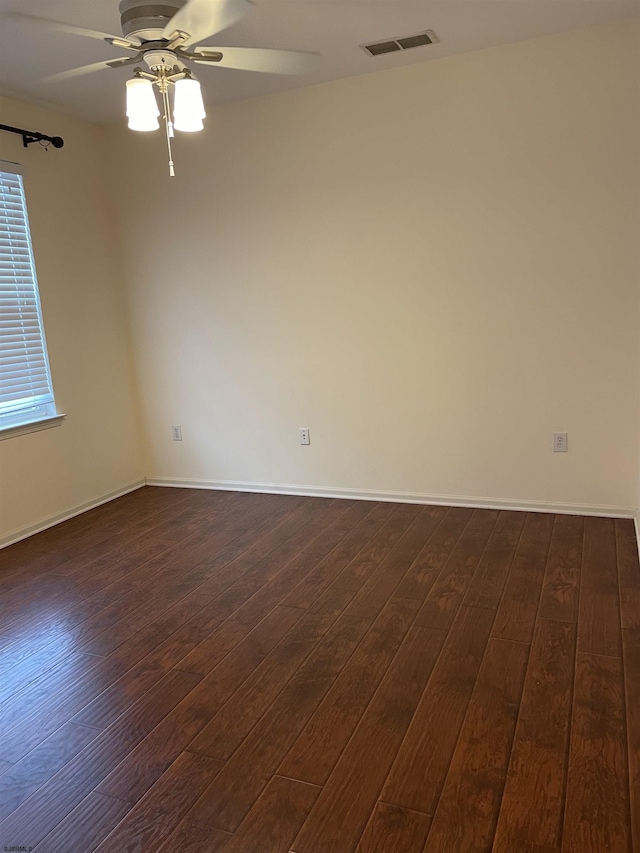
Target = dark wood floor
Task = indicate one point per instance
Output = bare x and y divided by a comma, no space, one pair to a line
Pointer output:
206,671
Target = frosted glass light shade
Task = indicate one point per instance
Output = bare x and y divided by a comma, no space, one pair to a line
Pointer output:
188,125
142,108
188,108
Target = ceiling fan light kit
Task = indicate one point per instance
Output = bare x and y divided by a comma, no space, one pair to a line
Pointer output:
142,108
165,35
188,107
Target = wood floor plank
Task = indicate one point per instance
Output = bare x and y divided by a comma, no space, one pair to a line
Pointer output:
229,727
321,742
490,577
189,836
217,516
628,576
373,594
56,699
599,629
255,605
274,589
26,557
53,801
147,761
357,572
392,829
516,616
165,648
30,661
309,587
230,797
143,499
164,525
38,587
85,826
561,587
67,613
158,812
183,568
347,514
467,812
83,545
629,583
631,664
22,779
169,622
187,636
140,769
31,545
597,809
108,602
426,567
33,716
179,569
302,560
119,622
534,795
5,643
221,526
276,817
274,549
419,772
33,695
340,814
447,593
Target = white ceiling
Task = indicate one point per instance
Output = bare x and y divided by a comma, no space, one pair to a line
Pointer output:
333,28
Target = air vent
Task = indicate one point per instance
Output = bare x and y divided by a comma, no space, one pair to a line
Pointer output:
382,47
392,45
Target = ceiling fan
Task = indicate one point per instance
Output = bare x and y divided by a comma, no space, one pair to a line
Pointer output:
165,35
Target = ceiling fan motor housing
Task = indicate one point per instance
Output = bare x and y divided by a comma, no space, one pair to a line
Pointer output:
146,19
157,59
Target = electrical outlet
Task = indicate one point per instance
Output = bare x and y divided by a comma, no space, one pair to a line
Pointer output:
560,442
304,436
176,432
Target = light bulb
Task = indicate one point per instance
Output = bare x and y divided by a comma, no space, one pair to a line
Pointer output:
188,108
142,108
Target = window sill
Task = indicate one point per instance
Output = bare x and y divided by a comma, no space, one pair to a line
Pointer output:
33,426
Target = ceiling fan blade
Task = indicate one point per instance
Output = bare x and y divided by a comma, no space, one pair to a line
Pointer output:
200,19
258,59
88,69
61,27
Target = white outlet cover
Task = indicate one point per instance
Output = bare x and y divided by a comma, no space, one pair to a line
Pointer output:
560,442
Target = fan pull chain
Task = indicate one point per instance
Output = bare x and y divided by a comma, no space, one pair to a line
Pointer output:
169,127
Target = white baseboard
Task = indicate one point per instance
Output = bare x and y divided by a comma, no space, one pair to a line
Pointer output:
397,497
329,492
51,520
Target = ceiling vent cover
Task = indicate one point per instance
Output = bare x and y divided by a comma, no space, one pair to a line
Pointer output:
377,48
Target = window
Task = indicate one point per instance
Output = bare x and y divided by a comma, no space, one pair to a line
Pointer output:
26,392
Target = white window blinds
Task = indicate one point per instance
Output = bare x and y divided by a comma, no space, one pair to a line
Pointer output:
26,393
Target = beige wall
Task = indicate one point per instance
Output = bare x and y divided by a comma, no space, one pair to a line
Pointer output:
433,268
96,450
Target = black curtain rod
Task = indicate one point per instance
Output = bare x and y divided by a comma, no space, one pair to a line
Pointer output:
29,136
